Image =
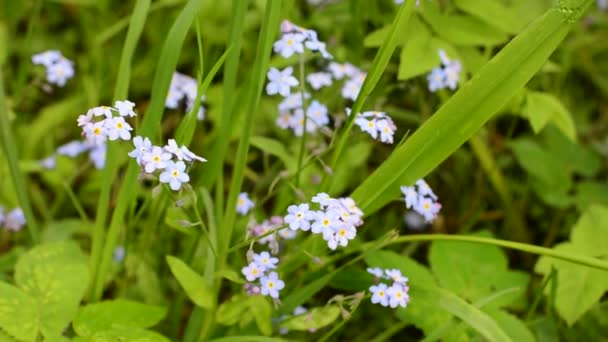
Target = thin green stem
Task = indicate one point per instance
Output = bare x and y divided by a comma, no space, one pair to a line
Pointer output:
305,123
76,202
9,146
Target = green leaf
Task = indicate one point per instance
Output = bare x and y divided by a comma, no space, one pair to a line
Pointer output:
579,288
588,193
542,108
417,273
512,326
18,313
486,11
314,319
277,149
100,317
467,110
573,156
300,296
248,339
262,312
231,312
194,285
119,333
54,274
482,270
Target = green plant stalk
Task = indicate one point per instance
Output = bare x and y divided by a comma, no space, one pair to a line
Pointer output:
9,145
467,110
110,170
150,127
216,160
304,109
381,60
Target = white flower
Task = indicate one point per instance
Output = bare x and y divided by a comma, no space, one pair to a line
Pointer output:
14,220
102,110
424,189
173,97
96,133
289,44
427,208
189,156
319,80
398,296
271,285
368,126
379,294
125,108
411,196
292,101
299,217
73,148
174,149
322,198
325,221
339,71
339,235
396,276
318,113
351,89
119,254
174,174
97,155
244,203
142,145
284,120
280,81
265,261
156,159
85,118
116,127
252,271
386,129
48,163
376,272
60,72
47,58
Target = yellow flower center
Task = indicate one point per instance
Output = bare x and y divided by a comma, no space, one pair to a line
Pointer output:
290,42
97,131
427,206
119,125
326,222
156,159
174,173
381,293
270,284
342,232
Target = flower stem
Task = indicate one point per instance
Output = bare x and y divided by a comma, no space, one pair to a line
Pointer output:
304,108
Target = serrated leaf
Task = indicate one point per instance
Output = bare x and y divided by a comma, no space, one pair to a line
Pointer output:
56,275
482,270
542,108
262,312
314,319
100,317
194,285
579,288
18,313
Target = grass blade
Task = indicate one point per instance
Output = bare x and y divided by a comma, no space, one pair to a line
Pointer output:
473,105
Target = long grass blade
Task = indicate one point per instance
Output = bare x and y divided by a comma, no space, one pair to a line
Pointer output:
473,105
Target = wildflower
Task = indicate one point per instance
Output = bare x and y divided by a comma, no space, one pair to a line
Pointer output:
142,145
339,71
58,68
318,113
379,295
117,127
102,111
271,285
172,148
73,148
421,199
396,276
284,120
96,133
14,220
189,156
411,196
174,174
319,80
244,203
424,189
446,75
376,272
351,89
299,217
119,254
289,44
125,108
252,271
281,81
48,163
156,159
292,101
386,127
265,261
368,126
184,87
322,198
339,235
398,295
97,155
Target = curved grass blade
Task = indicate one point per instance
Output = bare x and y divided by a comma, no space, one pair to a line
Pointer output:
150,127
473,105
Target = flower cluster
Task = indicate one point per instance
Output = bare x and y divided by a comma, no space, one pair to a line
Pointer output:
295,39
394,295
110,127
244,203
258,229
421,199
261,268
377,124
184,88
14,220
72,149
337,219
353,77
446,75
58,68
170,160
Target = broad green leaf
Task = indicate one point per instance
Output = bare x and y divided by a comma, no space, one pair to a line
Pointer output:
231,312
119,333
467,110
18,313
512,326
100,317
542,108
573,156
588,193
195,286
314,319
262,312
579,288
276,149
486,11
56,275
461,29
63,230
482,270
